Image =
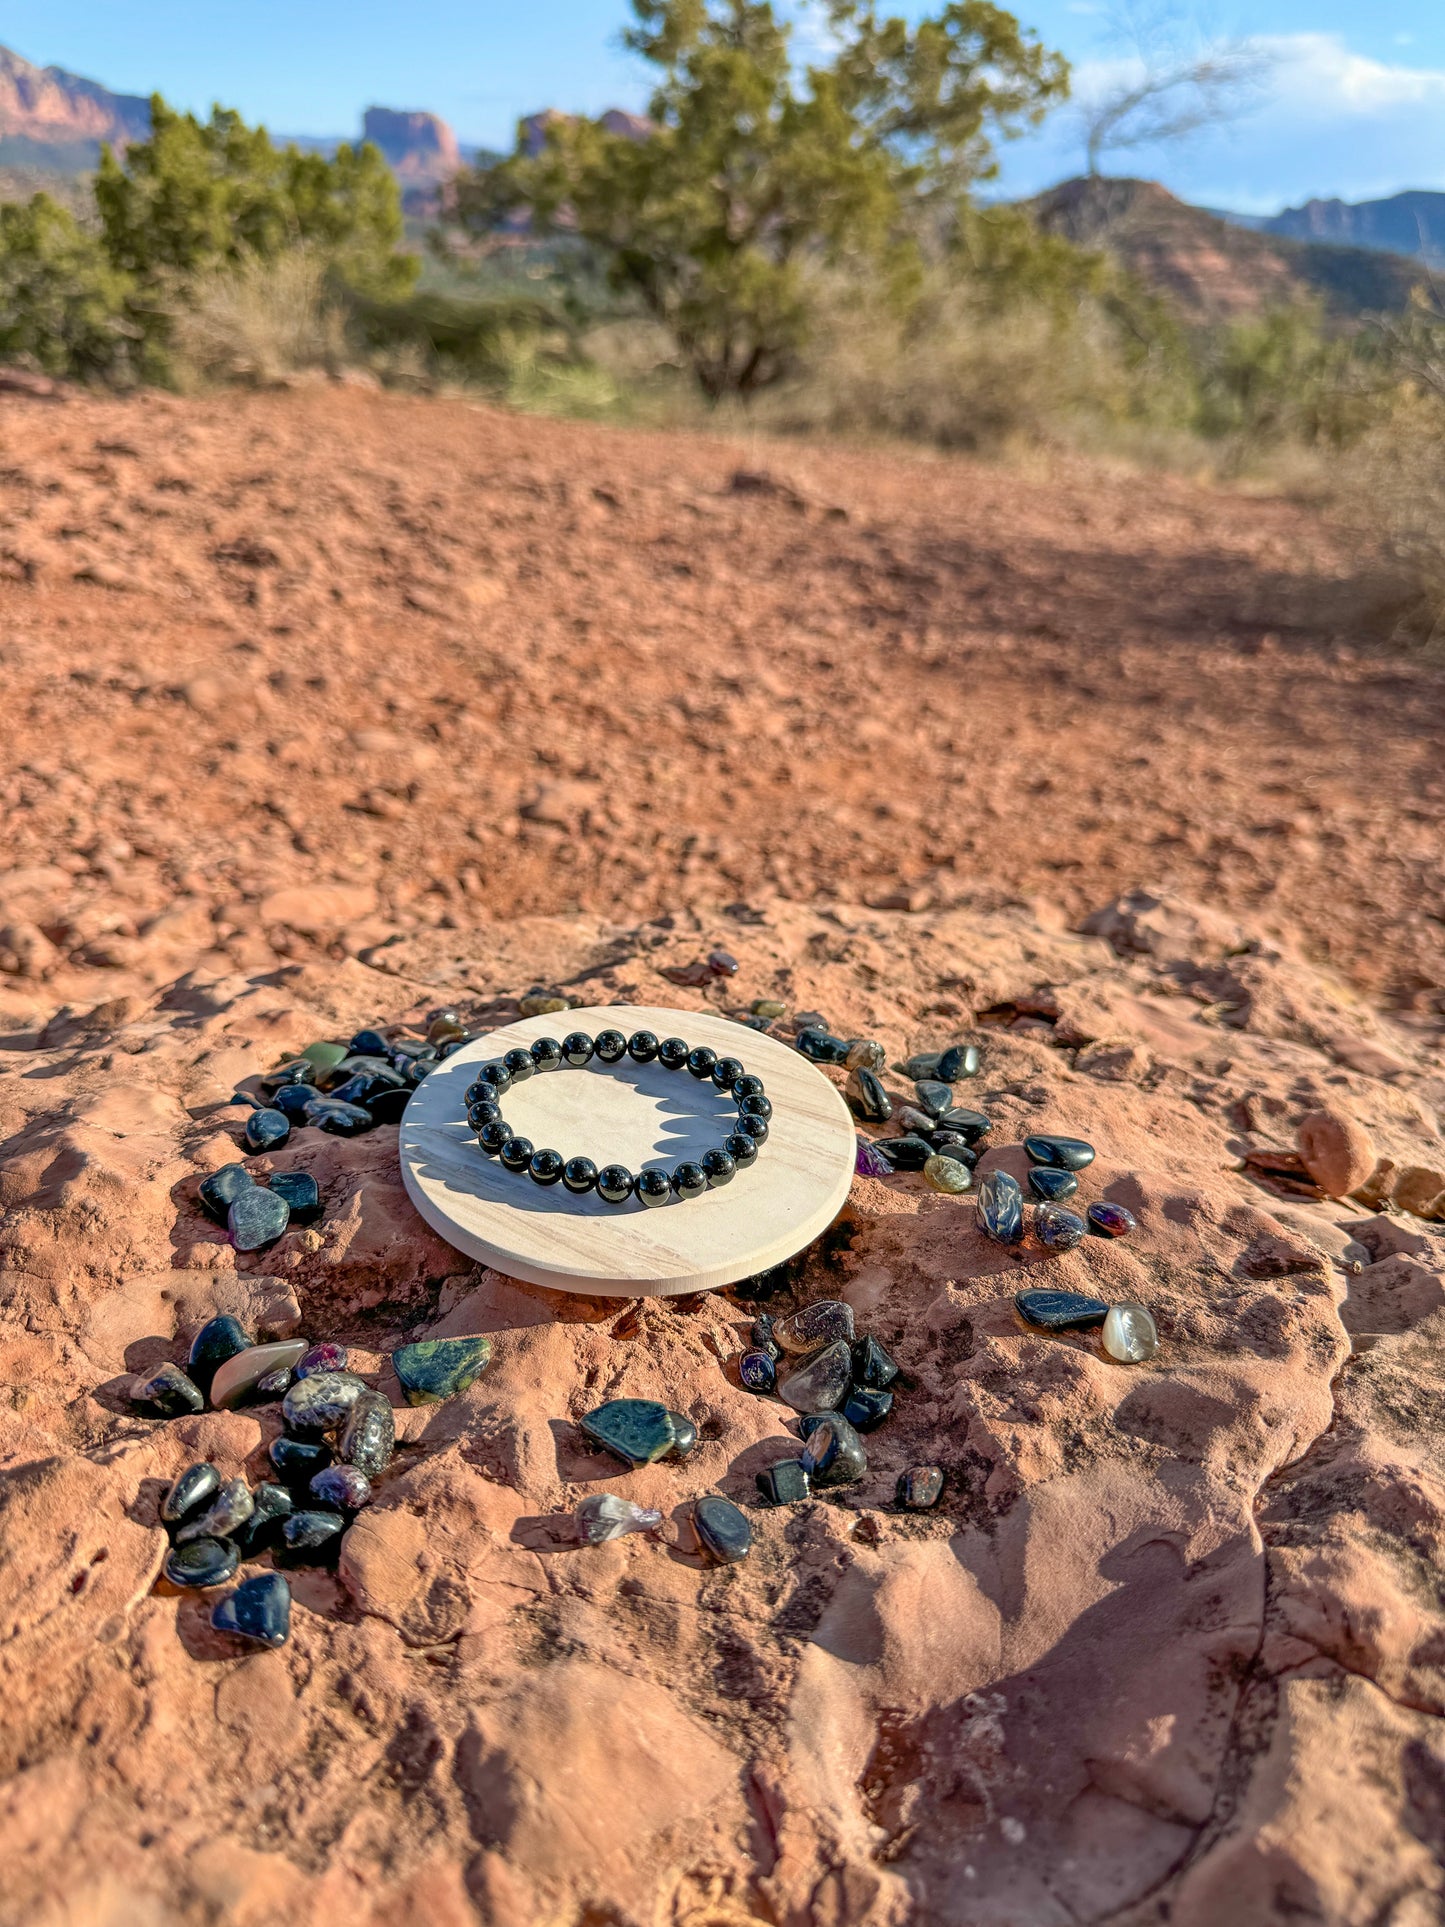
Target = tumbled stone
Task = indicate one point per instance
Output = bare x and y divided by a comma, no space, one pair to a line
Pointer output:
822,1384
438,1368
342,1120
947,1175
217,1190
933,1097
312,1537
242,1374
387,1105
1051,1183
231,1507
785,1483
872,1364
266,1130
343,1486
951,1145
1130,1334
1057,1228
904,1153
1071,1153
920,1487
636,1430
866,1409
297,1459
322,1402
602,1516
270,1504
867,1098
294,1100
258,1610
217,1340
368,1043
1060,1310
833,1453
970,1125
369,1437
914,1122
723,1533
201,1562
958,1062
822,1323
821,1046
301,1192
1111,1220
324,1056
1001,1207
257,1218
869,1162
195,1484
770,1008
168,1393
323,1358
923,1064
1338,1151
865,1055
544,1003
296,1070
757,1372
684,1435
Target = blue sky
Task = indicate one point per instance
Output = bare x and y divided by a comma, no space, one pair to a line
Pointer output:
1355,103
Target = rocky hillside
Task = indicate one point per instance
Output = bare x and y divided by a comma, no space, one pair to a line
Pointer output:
1412,223
52,118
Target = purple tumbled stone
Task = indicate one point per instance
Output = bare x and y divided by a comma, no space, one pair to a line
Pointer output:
869,1163
342,1485
1111,1220
323,1358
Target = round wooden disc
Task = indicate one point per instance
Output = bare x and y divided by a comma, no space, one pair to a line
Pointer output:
635,1114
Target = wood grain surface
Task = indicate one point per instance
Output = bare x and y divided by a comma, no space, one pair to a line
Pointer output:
636,1114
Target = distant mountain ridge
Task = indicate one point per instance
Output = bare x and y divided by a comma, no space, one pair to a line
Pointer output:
1412,223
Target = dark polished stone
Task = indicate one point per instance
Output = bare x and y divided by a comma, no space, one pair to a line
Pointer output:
785,1483
763,1336
872,1365
700,1061
517,1153
259,1610
299,1070
196,1484
635,1430
484,1110
723,1532
218,1339
301,1192
1057,1228
434,1369
320,1403
689,1180
356,1090
341,1120
323,1358
368,1043
610,1045
684,1435
726,1072
904,1153
201,1562
809,1329
266,1130
934,1097
494,1072
867,1098
494,1134
1111,1220
653,1188
833,1453
297,1459
545,1167
368,1438
920,1488
344,1486
672,1053
865,1408
719,1167
312,1537
257,1218
1060,1310
270,1505
748,1085
822,1047
547,1054
952,1145
960,1061
757,1372
614,1184
217,1190
923,1063
579,1175
518,1065
577,1048
1001,1208
643,1047
742,1148
821,1385
230,1507
272,1384
1072,1153
294,1100
750,1124
1051,1183
971,1125
386,1106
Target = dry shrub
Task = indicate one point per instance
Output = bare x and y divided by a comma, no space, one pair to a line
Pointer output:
1396,488
261,321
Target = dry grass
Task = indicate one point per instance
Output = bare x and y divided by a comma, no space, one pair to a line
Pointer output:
260,322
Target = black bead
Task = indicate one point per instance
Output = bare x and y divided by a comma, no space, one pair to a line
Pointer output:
701,1060
547,1054
482,1112
672,1053
689,1180
742,1149
577,1048
719,1166
653,1187
494,1134
642,1047
747,1086
614,1184
755,1104
610,1045
518,1064
495,1073
753,1126
546,1167
516,1153
726,1072
579,1175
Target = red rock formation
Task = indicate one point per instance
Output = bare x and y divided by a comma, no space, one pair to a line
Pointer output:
46,107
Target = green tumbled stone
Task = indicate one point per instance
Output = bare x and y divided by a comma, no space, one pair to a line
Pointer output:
325,1057
438,1368
637,1430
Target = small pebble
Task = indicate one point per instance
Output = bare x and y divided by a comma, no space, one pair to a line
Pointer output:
217,1190
947,1175
321,1402
242,1374
311,1538
635,1430
922,1064
258,1610
297,1459
294,1100
962,1060
195,1484
1072,1153
909,1118
266,1130
323,1358
785,1483
343,1486
231,1507
821,1047
367,1043
952,1145
1111,1220
822,1384
822,1323
325,1056
920,1487
865,1409
770,1008
387,1105
168,1393
257,1218
1058,1229
867,1098
865,1055
1060,1310
439,1368
201,1562
1001,1208
723,1533
270,1505
297,1070
904,1153
602,1516
971,1125
1053,1185
933,1097
1130,1334
342,1120
369,1436
762,1337
722,963
869,1161
684,1434
872,1364
301,1192
833,1453
543,1003
217,1340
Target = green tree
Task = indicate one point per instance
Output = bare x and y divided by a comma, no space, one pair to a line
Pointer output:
751,175
62,303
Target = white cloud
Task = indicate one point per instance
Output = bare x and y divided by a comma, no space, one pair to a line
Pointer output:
1318,73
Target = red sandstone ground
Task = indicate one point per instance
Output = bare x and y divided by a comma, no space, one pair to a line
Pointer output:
325,708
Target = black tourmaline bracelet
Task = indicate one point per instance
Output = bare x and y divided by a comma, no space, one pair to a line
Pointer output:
614,1183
